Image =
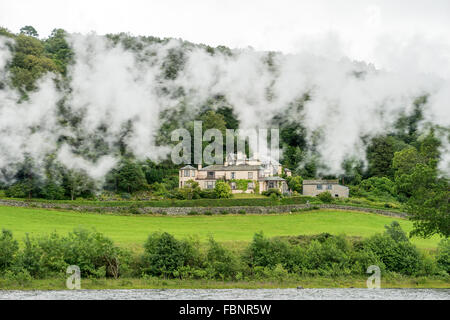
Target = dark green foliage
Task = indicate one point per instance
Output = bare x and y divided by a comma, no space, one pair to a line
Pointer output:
8,249
379,155
378,186
443,256
163,254
50,255
428,203
395,232
130,177
325,197
265,252
271,192
397,255
29,31
221,262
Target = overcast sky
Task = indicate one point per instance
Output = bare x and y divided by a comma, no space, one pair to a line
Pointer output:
357,28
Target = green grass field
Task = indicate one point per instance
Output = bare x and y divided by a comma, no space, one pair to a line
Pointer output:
132,230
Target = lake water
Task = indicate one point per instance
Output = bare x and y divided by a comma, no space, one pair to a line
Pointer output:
232,294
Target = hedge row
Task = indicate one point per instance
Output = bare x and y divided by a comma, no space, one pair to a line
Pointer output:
263,259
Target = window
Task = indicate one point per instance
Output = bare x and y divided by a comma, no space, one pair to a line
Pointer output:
211,174
233,186
192,173
271,185
233,175
210,185
186,173
329,186
250,186
319,187
250,175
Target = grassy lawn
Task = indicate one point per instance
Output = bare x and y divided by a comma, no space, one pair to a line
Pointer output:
155,283
132,231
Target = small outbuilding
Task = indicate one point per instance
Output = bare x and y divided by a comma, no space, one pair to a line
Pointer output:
314,187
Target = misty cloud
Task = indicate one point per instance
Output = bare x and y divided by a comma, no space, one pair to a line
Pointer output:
121,93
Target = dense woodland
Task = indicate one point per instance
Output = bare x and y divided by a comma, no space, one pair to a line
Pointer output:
402,164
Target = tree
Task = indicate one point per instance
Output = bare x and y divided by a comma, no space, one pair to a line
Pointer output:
57,47
8,249
379,155
406,160
429,149
130,177
78,183
29,31
295,183
222,190
428,204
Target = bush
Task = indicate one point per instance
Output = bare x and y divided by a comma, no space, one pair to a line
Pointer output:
43,256
379,186
443,255
163,254
222,190
8,249
50,255
272,191
19,190
265,252
95,254
242,211
398,256
220,261
330,256
325,197
395,232
207,194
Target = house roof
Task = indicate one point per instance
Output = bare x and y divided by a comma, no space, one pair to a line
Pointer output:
240,167
188,167
335,181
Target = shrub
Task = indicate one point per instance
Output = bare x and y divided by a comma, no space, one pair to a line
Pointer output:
163,254
43,256
443,255
221,262
95,254
331,256
208,213
242,211
378,186
19,190
193,213
8,249
207,194
395,232
325,197
265,252
272,191
222,190
398,256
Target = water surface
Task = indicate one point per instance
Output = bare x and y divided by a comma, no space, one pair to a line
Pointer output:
230,294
